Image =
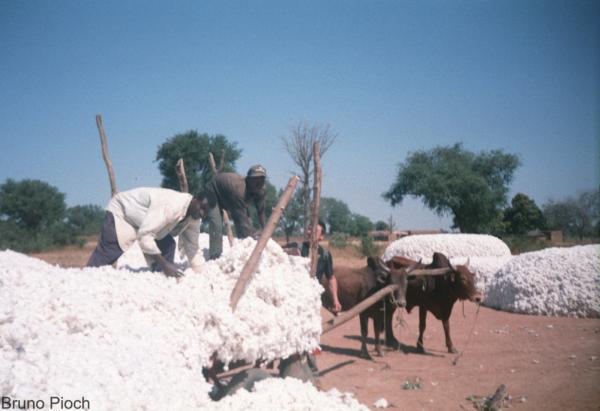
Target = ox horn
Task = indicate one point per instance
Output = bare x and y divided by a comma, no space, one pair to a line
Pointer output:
413,267
382,265
467,263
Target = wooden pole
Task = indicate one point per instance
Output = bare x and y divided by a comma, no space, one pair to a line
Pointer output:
314,243
109,167
252,263
213,166
180,169
357,309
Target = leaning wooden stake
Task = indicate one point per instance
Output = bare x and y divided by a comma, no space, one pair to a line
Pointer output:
357,309
213,166
314,243
252,263
183,183
109,167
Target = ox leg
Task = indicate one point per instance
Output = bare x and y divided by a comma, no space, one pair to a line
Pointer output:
422,325
390,340
446,324
377,324
364,330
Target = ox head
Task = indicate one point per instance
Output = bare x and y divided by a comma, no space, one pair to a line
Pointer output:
461,279
388,274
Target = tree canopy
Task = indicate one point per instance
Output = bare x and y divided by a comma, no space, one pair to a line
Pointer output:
523,215
575,216
472,187
194,148
31,204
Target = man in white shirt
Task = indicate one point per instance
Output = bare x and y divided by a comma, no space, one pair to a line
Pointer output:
152,216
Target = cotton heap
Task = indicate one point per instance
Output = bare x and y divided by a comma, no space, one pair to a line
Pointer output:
418,247
554,281
138,340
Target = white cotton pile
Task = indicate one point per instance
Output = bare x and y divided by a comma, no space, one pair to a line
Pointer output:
133,258
554,281
288,394
138,340
418,247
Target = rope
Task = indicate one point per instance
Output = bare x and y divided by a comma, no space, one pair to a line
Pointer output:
470,335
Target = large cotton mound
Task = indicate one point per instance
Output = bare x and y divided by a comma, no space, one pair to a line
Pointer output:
554,281
288,394
138,340
418,247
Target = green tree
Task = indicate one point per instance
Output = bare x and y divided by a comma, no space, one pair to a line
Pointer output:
336,214
31,204
472,187
381,226
85,219
523,215
360,225
576,217
194,148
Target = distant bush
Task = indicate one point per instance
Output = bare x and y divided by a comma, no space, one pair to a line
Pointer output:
34,217
522,244
339,240
367,247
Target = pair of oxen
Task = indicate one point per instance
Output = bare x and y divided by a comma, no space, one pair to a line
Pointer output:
432,287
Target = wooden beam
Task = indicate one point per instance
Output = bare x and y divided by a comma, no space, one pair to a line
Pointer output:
357,309
105,156
213,167
183,183
314,243
252,263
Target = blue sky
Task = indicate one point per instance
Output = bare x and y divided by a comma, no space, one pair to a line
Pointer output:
391,77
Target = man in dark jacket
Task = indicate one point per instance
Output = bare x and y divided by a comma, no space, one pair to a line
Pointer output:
324,273
235,193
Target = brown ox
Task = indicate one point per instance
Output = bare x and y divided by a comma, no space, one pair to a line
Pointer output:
354,285
438,294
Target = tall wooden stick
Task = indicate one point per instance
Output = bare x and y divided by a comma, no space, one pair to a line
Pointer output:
180,170
109,167
213,166
357,309
252,263
314,242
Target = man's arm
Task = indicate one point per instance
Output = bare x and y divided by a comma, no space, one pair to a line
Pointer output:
189,240
332,287
154,222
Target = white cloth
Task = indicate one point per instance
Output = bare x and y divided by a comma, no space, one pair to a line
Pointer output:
147,214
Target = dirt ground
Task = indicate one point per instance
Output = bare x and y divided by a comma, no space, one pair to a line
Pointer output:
546,363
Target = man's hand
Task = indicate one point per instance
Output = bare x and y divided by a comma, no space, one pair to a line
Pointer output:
337,307
169,269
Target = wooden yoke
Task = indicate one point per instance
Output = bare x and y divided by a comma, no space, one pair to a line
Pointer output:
109,167
215,171
252,263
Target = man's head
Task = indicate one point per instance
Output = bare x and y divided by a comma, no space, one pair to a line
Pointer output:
255,178
198,207
320,231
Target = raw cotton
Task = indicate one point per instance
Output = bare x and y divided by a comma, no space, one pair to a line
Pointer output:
554,281
288,394
418,247
138,340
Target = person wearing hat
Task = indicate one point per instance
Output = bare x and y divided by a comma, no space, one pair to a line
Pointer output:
235,193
